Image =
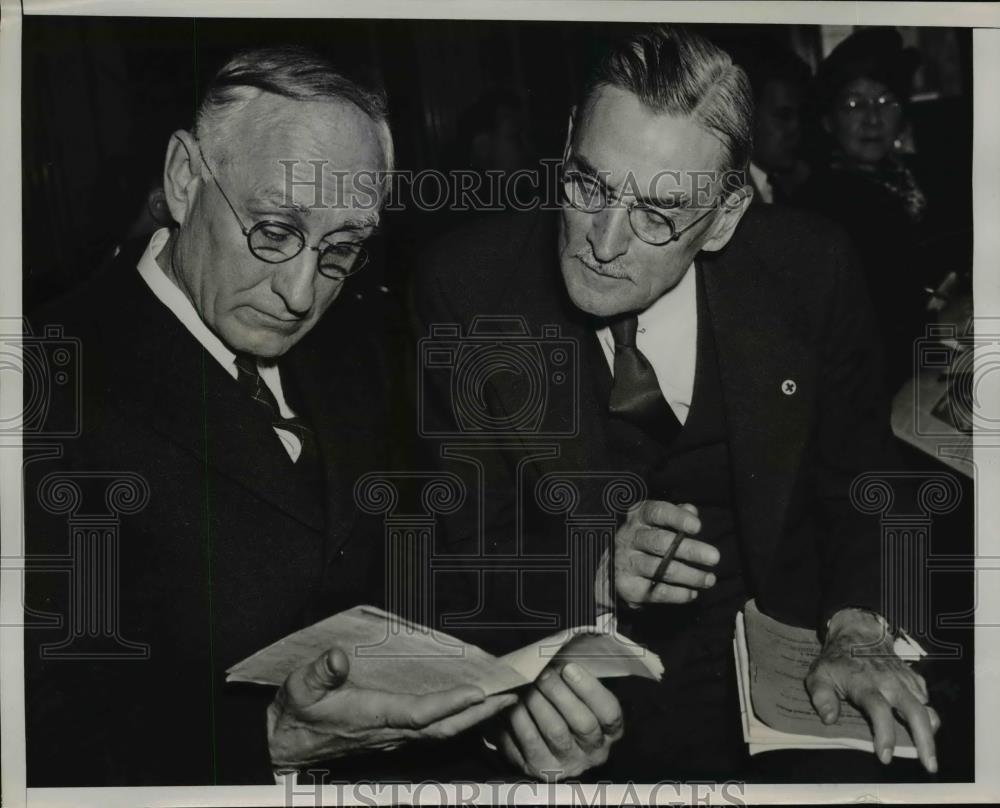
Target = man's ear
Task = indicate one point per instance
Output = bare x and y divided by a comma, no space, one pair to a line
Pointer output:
734,205
569,134
181,177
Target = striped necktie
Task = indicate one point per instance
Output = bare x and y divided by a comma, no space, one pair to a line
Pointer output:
249,378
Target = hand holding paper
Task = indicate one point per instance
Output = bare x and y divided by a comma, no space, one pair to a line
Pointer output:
563,725
858,664
788,681
317,715
389,681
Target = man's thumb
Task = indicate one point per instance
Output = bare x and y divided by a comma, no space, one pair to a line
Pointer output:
824,698
325,673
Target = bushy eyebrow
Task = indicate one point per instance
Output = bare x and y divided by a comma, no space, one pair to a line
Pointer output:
678,200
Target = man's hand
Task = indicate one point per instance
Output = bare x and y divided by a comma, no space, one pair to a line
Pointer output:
642,541
316,716
875,681
563,725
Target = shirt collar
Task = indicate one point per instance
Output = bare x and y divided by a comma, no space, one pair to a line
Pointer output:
675,312
761,182
171,296
677,304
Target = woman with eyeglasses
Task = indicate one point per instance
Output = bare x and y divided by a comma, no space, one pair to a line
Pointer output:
867,185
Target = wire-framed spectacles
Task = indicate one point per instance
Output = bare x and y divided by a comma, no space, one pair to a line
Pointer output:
884,104
587,194
277,242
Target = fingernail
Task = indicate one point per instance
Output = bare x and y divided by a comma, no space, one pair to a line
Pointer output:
885,756
827,716
691,525
932,765
694,594
572,672
709,580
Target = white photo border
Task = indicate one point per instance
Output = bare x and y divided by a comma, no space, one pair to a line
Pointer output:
986,199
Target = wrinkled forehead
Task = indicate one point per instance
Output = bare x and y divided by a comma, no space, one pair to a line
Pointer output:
309,155
635,148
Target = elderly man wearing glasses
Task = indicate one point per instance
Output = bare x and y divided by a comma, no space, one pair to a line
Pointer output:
213,375
725,355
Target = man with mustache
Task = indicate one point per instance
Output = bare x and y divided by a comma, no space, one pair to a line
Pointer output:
725,357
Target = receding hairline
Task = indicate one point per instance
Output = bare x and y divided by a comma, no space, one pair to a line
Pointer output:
222,128
675,69
288,71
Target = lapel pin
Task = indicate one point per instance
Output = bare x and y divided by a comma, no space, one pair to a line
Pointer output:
788,387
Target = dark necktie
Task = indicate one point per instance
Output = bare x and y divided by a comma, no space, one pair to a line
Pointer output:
249,378
635,394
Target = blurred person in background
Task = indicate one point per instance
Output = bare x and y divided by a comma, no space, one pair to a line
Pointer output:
870,187
780,82
494,133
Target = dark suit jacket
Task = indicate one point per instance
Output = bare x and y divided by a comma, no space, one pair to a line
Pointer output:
786,303
231,551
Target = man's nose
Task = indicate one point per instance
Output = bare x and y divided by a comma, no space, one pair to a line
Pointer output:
293,281
610,233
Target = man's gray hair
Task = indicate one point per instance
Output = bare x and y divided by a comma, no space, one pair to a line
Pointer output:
290,71
674,70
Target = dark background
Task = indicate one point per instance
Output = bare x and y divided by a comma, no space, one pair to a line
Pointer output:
102,95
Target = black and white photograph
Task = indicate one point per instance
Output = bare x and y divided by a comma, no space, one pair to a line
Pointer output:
552,403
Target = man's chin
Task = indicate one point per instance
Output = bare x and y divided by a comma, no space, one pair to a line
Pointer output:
597,302
261,343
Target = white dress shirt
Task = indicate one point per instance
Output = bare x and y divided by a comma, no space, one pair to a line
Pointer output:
668,338
171,296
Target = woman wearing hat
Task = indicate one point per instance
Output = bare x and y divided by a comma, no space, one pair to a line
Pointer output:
868,187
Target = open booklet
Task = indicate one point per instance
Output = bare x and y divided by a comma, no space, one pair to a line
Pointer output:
389,653
772,660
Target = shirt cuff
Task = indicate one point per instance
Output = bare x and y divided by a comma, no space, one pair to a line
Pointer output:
904,646
285,777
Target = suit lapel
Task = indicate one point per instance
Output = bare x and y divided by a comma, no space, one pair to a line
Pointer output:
333,393
181,392
769,384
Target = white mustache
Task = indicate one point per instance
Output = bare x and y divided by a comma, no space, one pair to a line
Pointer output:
613,269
